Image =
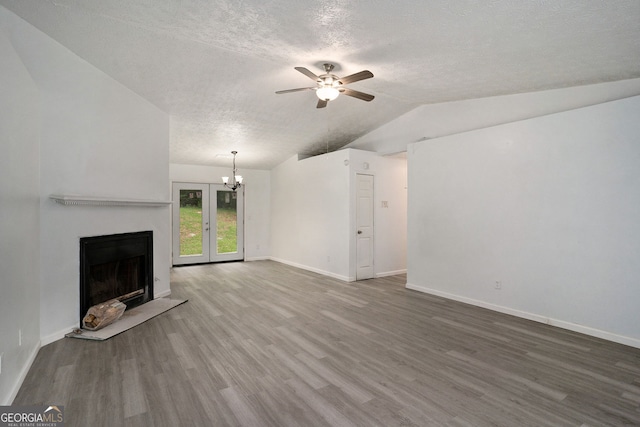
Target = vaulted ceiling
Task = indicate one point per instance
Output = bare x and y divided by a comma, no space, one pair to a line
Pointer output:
214,65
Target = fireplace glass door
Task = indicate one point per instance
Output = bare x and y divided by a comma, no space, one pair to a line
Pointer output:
116,266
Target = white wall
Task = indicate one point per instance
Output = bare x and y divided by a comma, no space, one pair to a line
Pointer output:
548,206
19,219
257,198
97,139
313,213
438,120
310,214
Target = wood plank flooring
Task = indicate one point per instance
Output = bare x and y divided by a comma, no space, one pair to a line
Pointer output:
264,344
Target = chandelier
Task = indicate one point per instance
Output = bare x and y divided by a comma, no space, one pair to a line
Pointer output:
237,179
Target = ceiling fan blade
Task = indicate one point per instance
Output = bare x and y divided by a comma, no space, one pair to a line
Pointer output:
308,73
322,103
366,74
295,90
356,94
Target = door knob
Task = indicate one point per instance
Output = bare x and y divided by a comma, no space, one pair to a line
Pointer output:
359,231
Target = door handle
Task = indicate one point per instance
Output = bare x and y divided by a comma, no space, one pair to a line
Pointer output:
359,231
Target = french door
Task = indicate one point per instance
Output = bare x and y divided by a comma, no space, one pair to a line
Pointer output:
208,223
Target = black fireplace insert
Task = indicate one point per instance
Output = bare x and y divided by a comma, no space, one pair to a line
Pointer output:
116,266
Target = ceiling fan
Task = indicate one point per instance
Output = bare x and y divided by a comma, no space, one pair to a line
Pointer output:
329,86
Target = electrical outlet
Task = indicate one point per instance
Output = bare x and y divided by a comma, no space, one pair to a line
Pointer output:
498,284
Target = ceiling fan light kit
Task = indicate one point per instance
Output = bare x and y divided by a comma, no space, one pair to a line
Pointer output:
327,93
329,86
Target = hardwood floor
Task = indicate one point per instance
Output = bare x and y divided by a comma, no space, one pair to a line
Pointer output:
264,344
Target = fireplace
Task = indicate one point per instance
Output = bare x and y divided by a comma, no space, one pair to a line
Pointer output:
116,266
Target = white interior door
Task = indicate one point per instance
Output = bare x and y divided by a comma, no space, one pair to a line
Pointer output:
364,226
208,223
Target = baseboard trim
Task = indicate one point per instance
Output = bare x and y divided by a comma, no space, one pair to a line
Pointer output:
23,374
258,258
609,336
162,294
315,270
391,273
58,335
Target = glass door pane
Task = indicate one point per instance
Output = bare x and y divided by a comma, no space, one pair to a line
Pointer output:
190,222
226,221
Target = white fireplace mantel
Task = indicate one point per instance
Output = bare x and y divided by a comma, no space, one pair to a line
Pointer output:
72,200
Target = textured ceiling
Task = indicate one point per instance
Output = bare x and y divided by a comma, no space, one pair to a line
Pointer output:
214,65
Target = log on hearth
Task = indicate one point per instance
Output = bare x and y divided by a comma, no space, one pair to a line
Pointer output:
103,314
